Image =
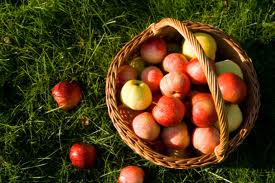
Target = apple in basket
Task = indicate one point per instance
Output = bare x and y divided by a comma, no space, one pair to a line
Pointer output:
203,109
82,155
175,84
124,74
138,64
151,76
228,66
234,117
174,62
176,137
153,50
207,42
146,127
67,94
195,72
136,95
169,111
205,140
232,87
131,174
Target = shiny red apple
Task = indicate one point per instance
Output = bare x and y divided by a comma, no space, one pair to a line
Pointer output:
151,76
174,62
67,94
203,109
131,174
82,155
232,87
153,50
169,111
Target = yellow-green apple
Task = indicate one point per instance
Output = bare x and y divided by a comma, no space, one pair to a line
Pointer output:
124,74
176,137
151,76
146,127
131,174
203,109
207,42
232,87
169,111
127,114
175,84
153,50
67,94
205,140
138,64
194,71
174,62
234,117
136,95
82,155
228,66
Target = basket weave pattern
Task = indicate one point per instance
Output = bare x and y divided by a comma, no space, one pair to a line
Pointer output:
231,49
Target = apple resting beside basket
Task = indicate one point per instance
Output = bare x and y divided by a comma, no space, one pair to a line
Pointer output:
173,139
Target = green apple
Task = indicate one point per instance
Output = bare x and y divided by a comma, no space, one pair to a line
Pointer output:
136,95
138,64
228,66
207,42
234,117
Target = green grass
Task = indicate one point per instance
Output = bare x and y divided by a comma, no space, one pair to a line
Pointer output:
45,41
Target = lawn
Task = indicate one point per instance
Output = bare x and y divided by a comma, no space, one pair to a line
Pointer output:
45,41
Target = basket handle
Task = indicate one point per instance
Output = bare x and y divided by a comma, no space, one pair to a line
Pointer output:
220,150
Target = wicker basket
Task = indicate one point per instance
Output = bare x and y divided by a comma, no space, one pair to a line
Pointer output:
227,49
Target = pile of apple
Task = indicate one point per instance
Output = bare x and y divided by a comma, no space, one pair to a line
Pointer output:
165,96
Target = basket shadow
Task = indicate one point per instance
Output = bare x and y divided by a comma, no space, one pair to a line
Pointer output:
257,150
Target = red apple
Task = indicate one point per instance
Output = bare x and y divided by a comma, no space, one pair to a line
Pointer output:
175,84
124,74
83,155
176,137
169,111
131,174
153,50
195,72
174,62
151,76
67,94
205,139
232,87
156,97
203,109
146,127
126,113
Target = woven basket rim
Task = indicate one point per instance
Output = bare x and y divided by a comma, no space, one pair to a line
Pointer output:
143,148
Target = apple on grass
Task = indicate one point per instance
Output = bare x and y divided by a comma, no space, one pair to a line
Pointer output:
174,62
153,50
203,109
195,72
205,140
146,127
131,174
234,117
175,84
124,74
207,42
168,111
82,155
151,76
136,95
176,137
228,66
67,94
232,87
